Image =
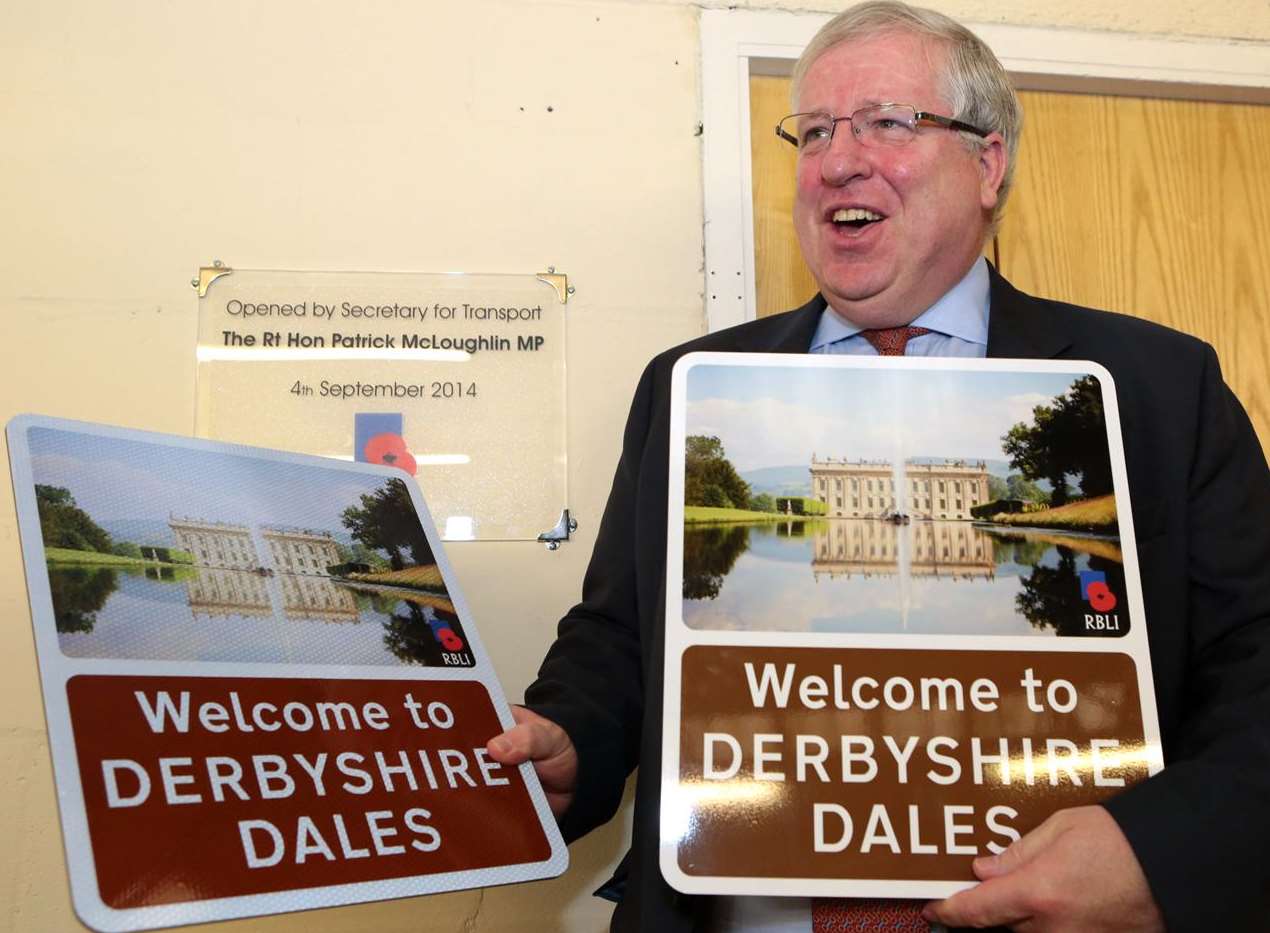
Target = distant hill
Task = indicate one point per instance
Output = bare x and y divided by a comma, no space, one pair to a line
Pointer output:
779,480
140,531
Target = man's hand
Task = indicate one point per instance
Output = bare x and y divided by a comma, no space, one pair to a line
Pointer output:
539,740
1074,872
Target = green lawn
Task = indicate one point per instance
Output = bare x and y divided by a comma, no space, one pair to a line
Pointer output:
705,513
64,555
425,577
1097,514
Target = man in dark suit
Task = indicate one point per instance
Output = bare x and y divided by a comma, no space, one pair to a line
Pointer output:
906,137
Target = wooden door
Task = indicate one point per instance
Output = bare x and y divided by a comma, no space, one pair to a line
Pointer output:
1158,208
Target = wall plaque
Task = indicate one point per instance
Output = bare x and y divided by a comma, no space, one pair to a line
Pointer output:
456,378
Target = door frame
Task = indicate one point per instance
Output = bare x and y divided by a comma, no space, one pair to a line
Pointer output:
738,43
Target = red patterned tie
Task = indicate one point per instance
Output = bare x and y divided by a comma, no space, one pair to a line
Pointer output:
871,914
890,341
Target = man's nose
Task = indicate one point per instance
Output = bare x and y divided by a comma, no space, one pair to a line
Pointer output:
845,158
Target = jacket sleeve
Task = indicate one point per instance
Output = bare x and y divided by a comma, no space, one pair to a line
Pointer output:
591,681
1199,828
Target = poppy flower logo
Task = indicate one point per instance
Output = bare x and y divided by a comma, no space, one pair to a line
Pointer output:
1094,590
390,449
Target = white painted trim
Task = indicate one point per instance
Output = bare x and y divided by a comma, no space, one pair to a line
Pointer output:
737,43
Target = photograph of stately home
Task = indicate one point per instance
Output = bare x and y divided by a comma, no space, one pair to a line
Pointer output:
867,488
231,547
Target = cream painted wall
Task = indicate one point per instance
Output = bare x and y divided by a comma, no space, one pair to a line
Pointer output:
1233,19
142,139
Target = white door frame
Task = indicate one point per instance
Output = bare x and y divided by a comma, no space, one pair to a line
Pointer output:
738,43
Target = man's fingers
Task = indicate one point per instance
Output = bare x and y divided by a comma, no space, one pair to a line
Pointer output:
994,866
533,738
512,747
1000,902
539,740
1019,853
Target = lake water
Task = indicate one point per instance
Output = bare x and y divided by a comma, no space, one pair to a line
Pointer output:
870,576
202,614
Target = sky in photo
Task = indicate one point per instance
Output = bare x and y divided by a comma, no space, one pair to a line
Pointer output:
781,415
115,478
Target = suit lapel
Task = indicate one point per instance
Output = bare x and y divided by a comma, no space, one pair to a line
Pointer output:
792,331
1019,326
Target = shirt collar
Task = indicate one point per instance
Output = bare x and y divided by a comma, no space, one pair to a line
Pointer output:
962,312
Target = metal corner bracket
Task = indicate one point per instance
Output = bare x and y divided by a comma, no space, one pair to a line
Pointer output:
557,280
564,527
207,275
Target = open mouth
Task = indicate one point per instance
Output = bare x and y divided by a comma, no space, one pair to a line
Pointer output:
854,218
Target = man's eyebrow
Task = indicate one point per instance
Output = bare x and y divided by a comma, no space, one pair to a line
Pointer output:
867,102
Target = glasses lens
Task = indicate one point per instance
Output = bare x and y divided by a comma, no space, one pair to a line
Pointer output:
893,125
812,130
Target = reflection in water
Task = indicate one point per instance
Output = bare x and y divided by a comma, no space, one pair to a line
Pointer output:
215,592
709,553
850,575
1018,549
1051,595
167,572
202,613
79,593
409,635
316,598
870,548
794,529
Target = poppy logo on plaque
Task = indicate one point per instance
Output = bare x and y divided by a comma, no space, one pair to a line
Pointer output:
377,438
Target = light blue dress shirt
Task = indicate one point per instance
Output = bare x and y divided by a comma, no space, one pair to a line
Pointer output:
958,321
959,327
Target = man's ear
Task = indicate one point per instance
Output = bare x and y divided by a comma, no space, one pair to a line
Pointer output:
992,160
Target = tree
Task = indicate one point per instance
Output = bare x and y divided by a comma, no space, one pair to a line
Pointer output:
386,521
763,502
1019,488
709,477
997,488
64,524
1068,437
359,553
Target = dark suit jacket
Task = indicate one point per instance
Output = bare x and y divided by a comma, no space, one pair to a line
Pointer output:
1200,495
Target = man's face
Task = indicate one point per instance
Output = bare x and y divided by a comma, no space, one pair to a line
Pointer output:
934,196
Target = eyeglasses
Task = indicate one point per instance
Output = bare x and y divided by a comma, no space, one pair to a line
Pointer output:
879,125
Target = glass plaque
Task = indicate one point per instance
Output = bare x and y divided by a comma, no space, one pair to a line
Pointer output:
456,378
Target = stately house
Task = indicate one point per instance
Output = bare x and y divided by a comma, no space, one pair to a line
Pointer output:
232,547
299,550
866,488
215,544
